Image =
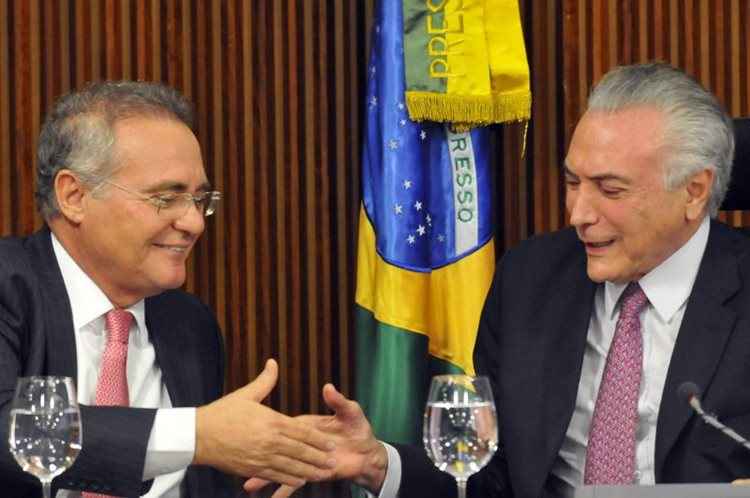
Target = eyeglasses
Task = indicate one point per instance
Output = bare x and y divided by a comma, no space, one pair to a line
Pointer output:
177,204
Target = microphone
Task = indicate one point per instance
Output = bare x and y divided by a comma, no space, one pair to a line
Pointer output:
691,394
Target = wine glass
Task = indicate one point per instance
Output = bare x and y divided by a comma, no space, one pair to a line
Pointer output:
460,426
45,427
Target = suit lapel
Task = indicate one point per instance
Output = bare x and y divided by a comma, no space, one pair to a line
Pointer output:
167,334
568,347
58,317
545,412
706,327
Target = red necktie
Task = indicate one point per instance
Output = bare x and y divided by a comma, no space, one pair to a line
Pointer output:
610,457
112,387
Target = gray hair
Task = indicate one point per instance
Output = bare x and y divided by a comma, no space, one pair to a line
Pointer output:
78,133
699,133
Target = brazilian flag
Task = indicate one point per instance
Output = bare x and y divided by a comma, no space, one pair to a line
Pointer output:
425,250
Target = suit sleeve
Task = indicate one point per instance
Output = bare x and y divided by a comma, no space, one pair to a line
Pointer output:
419,476
203,480
494,479
113,451
13,345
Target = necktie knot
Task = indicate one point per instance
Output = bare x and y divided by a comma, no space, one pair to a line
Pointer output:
633,301
118,325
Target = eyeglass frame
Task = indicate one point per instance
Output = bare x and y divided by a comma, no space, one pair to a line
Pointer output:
157,201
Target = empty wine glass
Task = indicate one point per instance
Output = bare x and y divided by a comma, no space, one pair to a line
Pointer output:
45,427
460,426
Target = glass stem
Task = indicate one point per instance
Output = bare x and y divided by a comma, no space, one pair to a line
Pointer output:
461,487
47,489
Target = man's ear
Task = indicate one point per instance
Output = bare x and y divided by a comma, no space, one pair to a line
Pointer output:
71,196
698,193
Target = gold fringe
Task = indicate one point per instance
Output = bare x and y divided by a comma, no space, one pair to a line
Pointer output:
466,111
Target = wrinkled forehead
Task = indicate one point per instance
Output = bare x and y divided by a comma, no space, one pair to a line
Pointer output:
150,151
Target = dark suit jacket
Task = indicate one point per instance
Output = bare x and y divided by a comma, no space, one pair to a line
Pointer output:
37,338
531,342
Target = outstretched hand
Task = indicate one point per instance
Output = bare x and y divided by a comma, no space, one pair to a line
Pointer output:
358,456
239,435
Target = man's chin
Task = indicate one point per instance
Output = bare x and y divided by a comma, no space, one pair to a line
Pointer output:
599,272
600,275
169,282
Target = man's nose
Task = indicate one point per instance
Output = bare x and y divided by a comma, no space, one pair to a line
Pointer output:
192,221
581,207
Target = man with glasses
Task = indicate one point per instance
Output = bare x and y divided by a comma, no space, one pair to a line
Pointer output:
93,295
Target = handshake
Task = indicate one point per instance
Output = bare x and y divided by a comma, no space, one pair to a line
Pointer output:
238,435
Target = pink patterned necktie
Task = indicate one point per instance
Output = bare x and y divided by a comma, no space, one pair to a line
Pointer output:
610,458
112,387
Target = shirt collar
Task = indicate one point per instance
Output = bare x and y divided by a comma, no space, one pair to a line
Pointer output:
87,301
668,285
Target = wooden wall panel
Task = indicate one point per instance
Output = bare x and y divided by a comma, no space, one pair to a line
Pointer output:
278,86
277,89
532,200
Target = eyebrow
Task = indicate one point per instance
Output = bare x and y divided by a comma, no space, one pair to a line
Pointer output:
599,178
176,187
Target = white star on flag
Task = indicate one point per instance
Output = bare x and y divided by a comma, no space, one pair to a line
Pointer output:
393,144
401,106
421,230
373,101
418,206
441,238
407,184
411,239
422,135
402,122
429,219
398,209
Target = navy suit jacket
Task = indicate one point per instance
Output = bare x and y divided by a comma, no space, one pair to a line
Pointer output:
531,343
37,338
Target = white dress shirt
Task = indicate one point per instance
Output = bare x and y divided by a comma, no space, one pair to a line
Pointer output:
171,444
667,287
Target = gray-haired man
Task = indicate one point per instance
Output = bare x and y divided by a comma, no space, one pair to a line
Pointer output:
124,195
588,333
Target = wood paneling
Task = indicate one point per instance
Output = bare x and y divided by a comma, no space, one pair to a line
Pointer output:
277,90
277,86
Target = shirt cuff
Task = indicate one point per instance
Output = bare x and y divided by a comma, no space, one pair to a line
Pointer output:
392,474
171,445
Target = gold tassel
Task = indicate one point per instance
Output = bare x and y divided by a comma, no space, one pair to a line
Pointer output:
472,110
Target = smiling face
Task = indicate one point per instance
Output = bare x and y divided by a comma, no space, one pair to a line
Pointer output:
128,248
616,196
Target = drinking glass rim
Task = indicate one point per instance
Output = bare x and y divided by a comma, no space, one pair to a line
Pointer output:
450,376
45,378
461,379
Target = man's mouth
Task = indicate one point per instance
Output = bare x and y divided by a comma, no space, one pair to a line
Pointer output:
174,248
599,244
